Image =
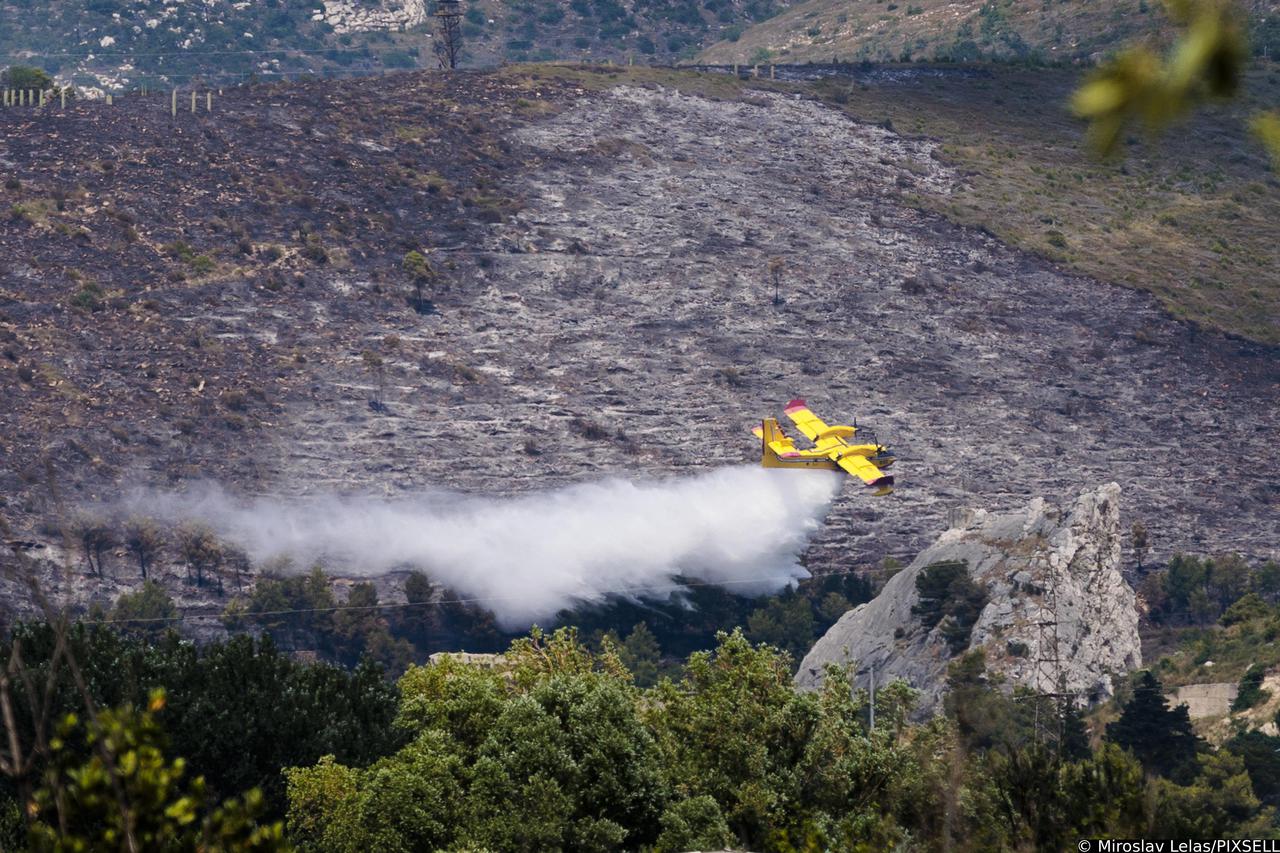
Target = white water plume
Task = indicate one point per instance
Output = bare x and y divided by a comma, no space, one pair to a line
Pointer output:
528,557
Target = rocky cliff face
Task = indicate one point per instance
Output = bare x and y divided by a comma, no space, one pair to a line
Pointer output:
1053,579
348,17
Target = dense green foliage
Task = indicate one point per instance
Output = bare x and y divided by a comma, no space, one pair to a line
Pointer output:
1200,590
127,793
1251,692
1159,736
237,711
661,633
24,77
951,599
554,747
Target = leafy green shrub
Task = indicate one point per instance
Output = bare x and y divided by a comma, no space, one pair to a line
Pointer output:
1246,608
693,824
88,297
951,599
78,807
25,77
147,602
1251,692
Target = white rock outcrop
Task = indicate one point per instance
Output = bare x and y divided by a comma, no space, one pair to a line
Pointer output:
1053,580
346,16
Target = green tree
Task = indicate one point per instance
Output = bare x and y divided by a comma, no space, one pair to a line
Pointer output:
733,729
949,597
1159,736
298,609
1246,609
1185,576
236,711
1201,607
1251,692
128,796
1261,756
25,77
832,607
150,605
785,622
359,629
1266,580
986,718
421,275
548,753
1229,578
642,655
1105,794
693,824
1218,803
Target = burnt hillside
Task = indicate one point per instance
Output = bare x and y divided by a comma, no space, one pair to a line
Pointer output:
226,296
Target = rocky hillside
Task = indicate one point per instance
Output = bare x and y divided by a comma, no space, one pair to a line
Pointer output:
229,296
1058,614
108,45
876,30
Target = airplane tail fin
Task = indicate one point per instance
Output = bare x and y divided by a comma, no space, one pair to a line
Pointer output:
769,432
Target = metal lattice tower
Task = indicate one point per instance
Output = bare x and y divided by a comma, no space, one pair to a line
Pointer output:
448,43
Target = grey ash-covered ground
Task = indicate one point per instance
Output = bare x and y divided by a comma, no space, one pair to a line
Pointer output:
603,307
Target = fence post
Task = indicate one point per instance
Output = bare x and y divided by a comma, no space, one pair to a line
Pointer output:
755,70
63,93
193,100
208,101
173,104
773,71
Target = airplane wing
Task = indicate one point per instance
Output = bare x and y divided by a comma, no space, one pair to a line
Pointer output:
815,429
806,421
859,467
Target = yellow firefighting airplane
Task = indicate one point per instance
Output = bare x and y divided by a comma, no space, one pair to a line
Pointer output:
830,451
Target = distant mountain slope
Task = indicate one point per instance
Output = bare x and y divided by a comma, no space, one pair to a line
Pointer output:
963,30
644,30
117,44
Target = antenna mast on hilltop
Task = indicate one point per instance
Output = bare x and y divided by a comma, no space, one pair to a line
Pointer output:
449,35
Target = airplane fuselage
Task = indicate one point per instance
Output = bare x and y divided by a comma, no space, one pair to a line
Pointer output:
779,451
